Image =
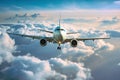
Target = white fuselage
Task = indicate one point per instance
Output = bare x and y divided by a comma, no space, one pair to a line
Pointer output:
59,35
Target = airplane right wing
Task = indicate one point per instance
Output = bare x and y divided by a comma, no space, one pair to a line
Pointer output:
49,39
84,39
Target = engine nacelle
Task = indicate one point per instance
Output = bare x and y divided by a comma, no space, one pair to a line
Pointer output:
43,42
74,43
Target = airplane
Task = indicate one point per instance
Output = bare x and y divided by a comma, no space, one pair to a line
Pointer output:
59,37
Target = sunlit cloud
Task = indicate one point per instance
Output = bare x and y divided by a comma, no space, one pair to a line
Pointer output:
7,47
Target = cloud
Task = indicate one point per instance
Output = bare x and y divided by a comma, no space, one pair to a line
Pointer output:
26,15
71,69
35,15
6,48
34,62
101,45
113,21
86,48
24,18
31,68
80,20
114,33
96,20
81,51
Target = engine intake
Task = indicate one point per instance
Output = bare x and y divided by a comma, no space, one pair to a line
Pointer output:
74,43
43,42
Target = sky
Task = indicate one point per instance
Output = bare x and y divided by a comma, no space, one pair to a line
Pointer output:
59,4
98,60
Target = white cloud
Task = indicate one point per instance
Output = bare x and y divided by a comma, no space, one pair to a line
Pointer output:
86,48
31,68
62,68
102,45
75,54
6,48
71,69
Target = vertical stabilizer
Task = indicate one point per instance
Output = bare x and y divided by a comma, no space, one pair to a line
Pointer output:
59,20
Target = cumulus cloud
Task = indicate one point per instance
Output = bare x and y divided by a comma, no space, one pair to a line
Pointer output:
101,45
31,68
100,21
82,50
86,48
6,48
32,62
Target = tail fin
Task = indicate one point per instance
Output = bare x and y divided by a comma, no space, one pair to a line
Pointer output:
59,20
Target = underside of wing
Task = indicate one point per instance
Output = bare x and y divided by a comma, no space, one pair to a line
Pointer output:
84,39
50,39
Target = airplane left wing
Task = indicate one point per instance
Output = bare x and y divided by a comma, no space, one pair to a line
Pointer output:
45,31
84,39
50,39
73,32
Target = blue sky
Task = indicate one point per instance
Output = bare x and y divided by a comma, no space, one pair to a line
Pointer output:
59,4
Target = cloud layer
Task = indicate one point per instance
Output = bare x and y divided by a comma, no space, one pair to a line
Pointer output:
32,68
33,62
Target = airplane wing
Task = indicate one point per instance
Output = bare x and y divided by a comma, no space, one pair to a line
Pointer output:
73,32
50,39
45,30
84,39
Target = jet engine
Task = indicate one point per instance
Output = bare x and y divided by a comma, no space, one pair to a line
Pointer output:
43,42
74,43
